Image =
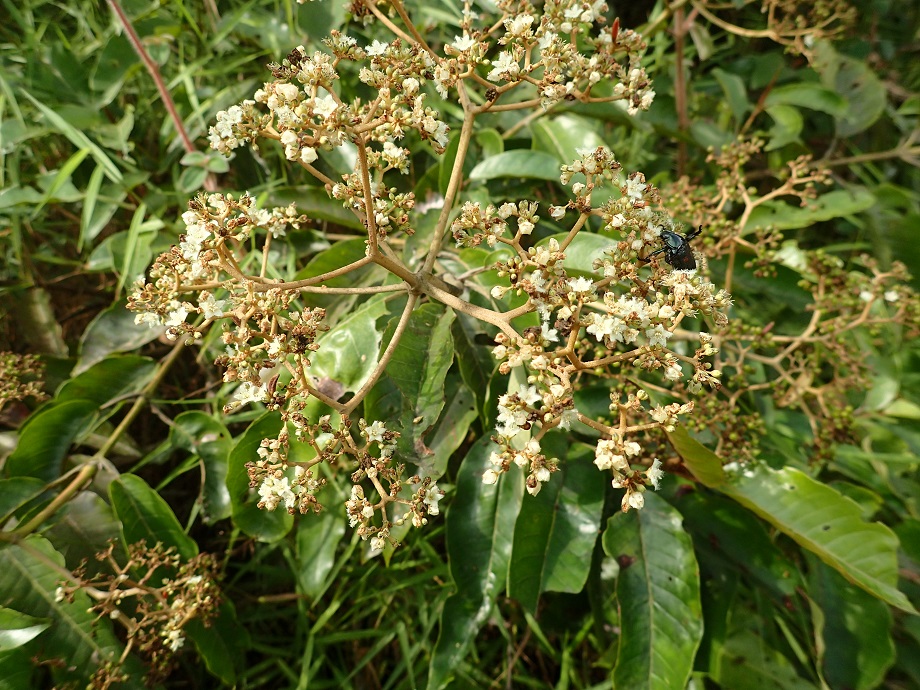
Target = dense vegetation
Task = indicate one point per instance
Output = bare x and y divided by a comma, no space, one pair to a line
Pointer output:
402,344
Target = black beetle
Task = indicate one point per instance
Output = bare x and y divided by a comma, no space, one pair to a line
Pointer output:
677,250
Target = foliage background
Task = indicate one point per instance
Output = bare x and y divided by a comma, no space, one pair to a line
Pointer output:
94,178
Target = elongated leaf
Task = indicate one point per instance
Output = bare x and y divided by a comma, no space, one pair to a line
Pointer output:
145,515
834,204
474,360
78,139
813,514
749,663
826,523
518,164
46,437
113,330
479,528
563,136
348,352
418,369
16,629
808,95
557,529
29,575
658,594
317,539
854,629
705,465
113,377
200,433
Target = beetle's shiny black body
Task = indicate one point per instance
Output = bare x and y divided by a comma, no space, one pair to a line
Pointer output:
677,250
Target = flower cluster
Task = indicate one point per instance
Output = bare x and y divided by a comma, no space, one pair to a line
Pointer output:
524,60
154,614
622,315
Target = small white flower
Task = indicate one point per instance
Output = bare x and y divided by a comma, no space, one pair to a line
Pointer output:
325,106
655,473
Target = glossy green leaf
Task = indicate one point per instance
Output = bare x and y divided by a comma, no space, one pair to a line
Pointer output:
856,647
563,136
452,428
658,594
583,251
46,437
417,370
15,493
557,529
446,165
825,523
317,539
348,352
16,629
207,437
474,359
222,644
811,95
517,164
705,465
856,82
479,528
83,527
146,516
261,524
112,377
836,204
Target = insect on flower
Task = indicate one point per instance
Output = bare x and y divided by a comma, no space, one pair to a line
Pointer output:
677,250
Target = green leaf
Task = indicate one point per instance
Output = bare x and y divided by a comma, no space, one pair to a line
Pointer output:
787,125
452,428
113,377
807,95
446,165
556,530
825,523
417,369
77,138
207,437
582,251
735,91
222,644
83,528
658,594
317,539
479,547
854,629
16,629
474,360
30,573
857,83
517,164
113,330
146,516
247,516
348,351
490,141
747,662
15,493
562,136
705,465
836,204
46,437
